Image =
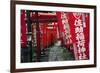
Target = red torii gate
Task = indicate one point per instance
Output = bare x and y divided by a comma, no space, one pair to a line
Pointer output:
36,17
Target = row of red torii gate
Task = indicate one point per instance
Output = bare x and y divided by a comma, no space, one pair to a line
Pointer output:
41,29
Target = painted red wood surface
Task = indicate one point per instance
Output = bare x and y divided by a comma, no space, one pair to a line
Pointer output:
49,36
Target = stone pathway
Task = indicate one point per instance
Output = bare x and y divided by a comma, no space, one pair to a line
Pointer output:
56,53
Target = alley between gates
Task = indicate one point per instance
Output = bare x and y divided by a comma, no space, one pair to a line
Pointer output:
54,36
56,53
